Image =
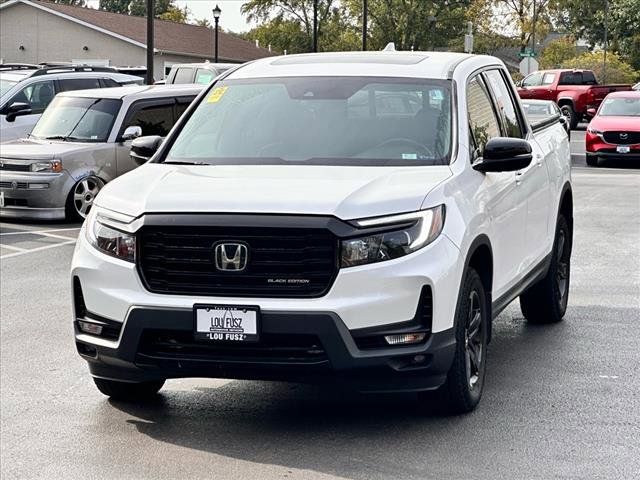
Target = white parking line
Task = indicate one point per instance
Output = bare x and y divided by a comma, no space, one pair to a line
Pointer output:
52,235
37,249
10,247
40,232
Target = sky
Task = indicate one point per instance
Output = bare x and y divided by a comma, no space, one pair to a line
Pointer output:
230,19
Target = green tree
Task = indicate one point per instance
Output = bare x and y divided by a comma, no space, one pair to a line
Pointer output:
618,71
282,34
115,6
75,3
526,17
175,14
558,52
202,22
139,7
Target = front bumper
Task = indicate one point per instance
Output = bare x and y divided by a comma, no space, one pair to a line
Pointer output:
22,200
335,357
633,155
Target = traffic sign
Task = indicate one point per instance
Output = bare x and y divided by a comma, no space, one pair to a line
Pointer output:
527,54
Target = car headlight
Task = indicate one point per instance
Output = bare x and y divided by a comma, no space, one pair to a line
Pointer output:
594,131
109,240
419,229
54,166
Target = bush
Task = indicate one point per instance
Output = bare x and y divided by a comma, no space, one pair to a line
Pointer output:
617,70
558,52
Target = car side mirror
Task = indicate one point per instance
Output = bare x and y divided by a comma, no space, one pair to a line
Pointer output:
131,133
504,154
143,148
17,109
591,112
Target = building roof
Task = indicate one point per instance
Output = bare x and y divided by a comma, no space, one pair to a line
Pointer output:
170,37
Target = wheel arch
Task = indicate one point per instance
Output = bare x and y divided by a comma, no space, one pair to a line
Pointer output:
566,205
480,258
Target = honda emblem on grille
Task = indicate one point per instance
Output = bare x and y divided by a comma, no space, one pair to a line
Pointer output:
624,136
231,257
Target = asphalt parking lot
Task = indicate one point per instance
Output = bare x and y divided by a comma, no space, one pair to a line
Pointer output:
561,401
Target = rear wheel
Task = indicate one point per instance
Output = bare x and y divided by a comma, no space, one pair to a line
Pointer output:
546,301
82,196
570,115
128,391
462,390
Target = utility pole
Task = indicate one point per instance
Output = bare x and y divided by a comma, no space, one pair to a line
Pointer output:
365,8
150,48
533,36
606,32
315,25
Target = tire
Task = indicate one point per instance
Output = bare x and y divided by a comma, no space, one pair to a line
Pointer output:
592,160
546,301
81,197
462,389
128,391
570,115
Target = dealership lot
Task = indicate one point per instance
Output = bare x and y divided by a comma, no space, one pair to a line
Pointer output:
560,401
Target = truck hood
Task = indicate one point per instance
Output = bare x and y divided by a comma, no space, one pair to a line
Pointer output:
28,149
344,192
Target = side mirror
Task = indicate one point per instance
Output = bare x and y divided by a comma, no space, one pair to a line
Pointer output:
131,133
17,109
143,148
591,112
504,154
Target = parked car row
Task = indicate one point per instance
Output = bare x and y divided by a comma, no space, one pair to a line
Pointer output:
81,142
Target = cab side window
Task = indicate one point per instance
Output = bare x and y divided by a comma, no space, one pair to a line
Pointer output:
204,76
505,104
38,95
68,84
532,80
483,122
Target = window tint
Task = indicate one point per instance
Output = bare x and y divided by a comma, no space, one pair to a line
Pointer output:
184,75
182,106
482,119
79,84
110,82
505,104
547,78
571,78
204,76
588,78
153,119
532,80
38,95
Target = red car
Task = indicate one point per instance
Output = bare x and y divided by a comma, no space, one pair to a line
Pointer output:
614,131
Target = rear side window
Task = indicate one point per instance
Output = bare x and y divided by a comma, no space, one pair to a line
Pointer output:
572,78
482,118
110,82
204,76
184,75
505,103
37,94
154,119
182,105
79,84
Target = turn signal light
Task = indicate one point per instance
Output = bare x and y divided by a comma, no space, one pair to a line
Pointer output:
90,328
405,338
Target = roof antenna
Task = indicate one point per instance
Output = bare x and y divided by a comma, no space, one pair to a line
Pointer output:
391,47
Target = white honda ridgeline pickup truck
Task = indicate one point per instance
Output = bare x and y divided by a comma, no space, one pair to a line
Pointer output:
355,217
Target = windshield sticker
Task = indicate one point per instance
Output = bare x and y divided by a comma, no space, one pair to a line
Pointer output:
217,94
409,156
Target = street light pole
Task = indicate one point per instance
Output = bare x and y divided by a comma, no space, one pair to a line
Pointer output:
315,25
150,47
606,32
216,19
365,8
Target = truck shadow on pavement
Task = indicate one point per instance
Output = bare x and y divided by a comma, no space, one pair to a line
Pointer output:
363,436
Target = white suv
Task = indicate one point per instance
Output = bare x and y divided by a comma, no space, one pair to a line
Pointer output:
353,217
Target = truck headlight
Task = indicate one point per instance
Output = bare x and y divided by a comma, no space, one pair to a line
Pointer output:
109,240
54,166
421,229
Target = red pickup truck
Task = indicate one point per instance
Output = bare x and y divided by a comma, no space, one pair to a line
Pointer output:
575,91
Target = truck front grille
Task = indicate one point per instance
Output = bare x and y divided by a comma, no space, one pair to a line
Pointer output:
622,138
281,262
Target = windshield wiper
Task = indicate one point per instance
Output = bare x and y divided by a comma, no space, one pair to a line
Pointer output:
63,138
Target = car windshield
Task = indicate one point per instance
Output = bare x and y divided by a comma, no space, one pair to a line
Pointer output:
6,85
620,107
77,119
320,121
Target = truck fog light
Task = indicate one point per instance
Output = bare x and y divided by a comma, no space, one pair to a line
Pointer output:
405,338
91,328
38,186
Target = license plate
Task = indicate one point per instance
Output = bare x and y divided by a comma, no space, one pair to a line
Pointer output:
225,323
623,149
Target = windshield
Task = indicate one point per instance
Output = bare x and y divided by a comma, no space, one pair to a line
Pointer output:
620,107
320,121
77,119
5,85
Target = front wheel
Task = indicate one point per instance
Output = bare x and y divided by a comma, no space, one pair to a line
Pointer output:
82,196
571,116
462,390
546,301
128,391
